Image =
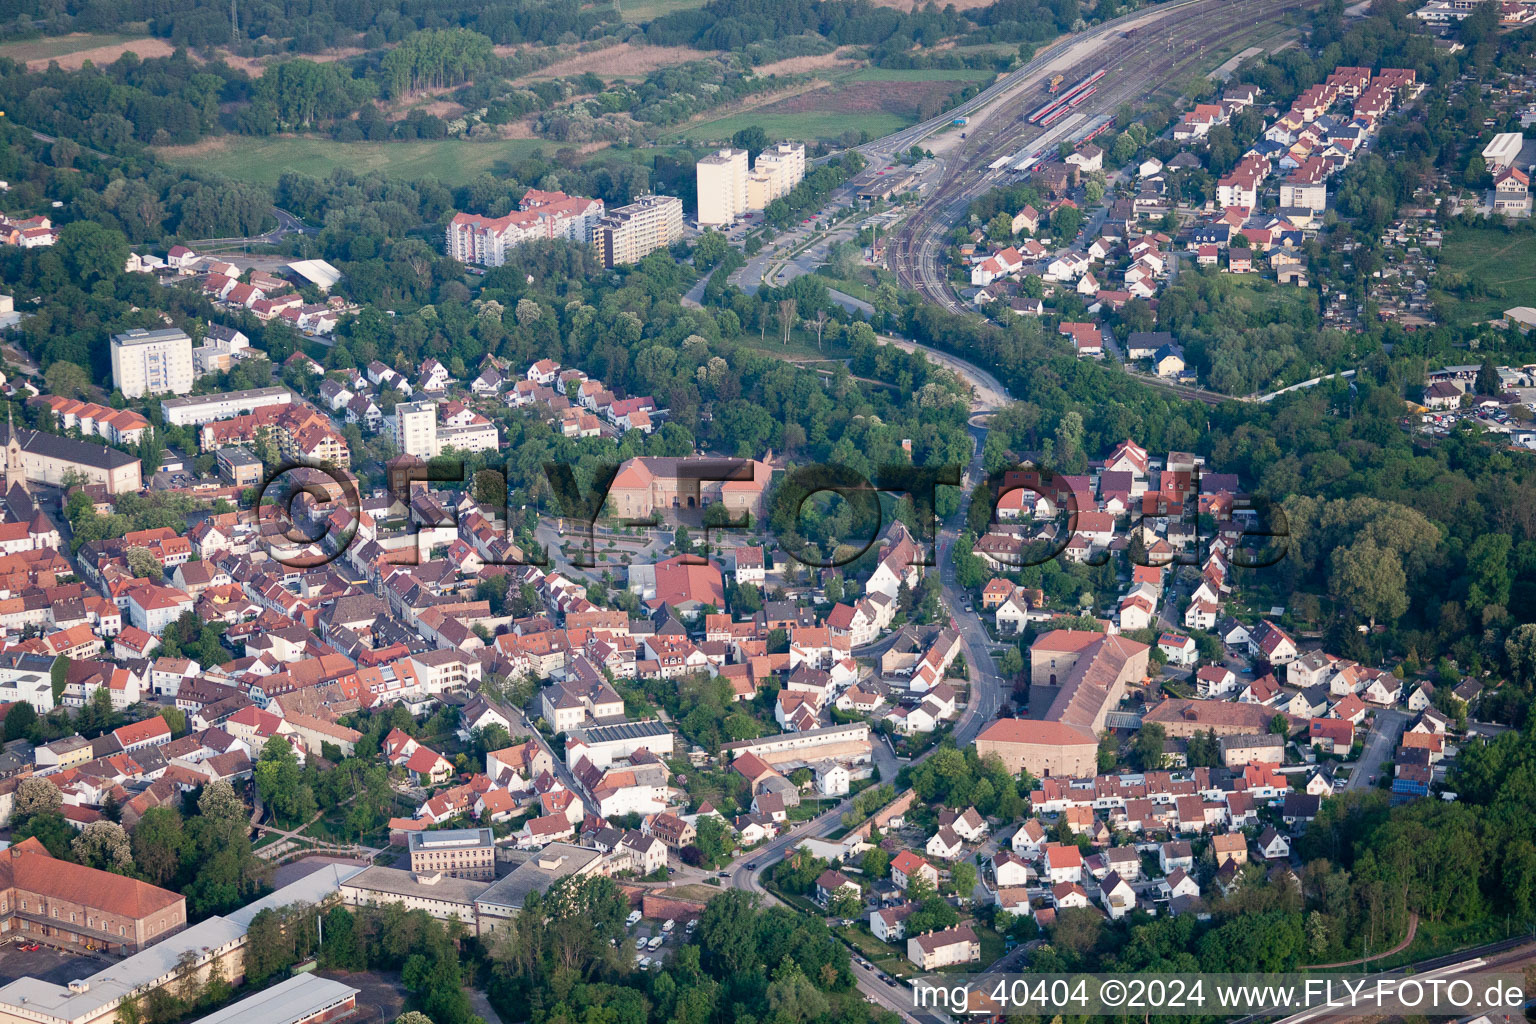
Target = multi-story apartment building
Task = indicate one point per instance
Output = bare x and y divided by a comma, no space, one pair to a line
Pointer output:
472,238
727,189
722,181
416,428
152,362
195,411
774,173
418,433
627,234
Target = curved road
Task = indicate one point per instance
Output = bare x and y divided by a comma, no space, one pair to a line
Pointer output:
986,694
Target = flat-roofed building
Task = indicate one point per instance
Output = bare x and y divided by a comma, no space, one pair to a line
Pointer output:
722,187
631,232
460,852
195,410
238,466
505,899
152,362
442,896
303,999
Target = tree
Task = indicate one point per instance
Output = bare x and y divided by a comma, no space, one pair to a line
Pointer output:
267,949
67,379
104,845
1487,570
1519,650
36,796
875,862
1203,751
1280,726
713,838
1488,380
91,252
1147,747
158,841
1066,222
145,565
1012,663
786,316
753,139
845,903
962,876
219,802
280,783
1371,580
21,722
342,949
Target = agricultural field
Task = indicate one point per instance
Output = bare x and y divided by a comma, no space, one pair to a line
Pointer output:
874,100
263,160
73,50
1483,272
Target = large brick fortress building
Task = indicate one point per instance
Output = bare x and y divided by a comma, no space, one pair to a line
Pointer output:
64,904
645,486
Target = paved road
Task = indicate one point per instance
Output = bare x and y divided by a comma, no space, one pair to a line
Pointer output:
287,224
1380,742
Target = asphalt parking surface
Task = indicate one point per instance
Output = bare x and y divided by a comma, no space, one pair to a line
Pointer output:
45,964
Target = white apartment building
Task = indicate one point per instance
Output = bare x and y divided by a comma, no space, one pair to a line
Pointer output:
629,233
472,238
416,429
418,433
722,181
152,362
193,412
775,173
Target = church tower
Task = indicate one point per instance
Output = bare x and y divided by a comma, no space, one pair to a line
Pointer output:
15,471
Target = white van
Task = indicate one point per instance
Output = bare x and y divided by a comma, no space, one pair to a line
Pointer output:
633,919
655,942
667,925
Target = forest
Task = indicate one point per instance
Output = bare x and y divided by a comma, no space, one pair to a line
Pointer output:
269,26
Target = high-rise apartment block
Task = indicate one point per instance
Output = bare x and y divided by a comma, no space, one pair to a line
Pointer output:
152,362
627,234
416,428
418,432
722,180
727,189
485,241
776,171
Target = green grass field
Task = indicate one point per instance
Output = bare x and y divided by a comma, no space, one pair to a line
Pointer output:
813,124
1503,262
645,10
58,46
263,161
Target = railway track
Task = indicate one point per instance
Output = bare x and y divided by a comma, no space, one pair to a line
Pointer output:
1135,65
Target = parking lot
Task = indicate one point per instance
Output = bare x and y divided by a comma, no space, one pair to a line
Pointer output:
645,931
46,964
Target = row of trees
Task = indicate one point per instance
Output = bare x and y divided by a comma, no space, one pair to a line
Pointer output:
566,957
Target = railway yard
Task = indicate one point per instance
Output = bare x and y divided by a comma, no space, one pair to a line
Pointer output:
1120,62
